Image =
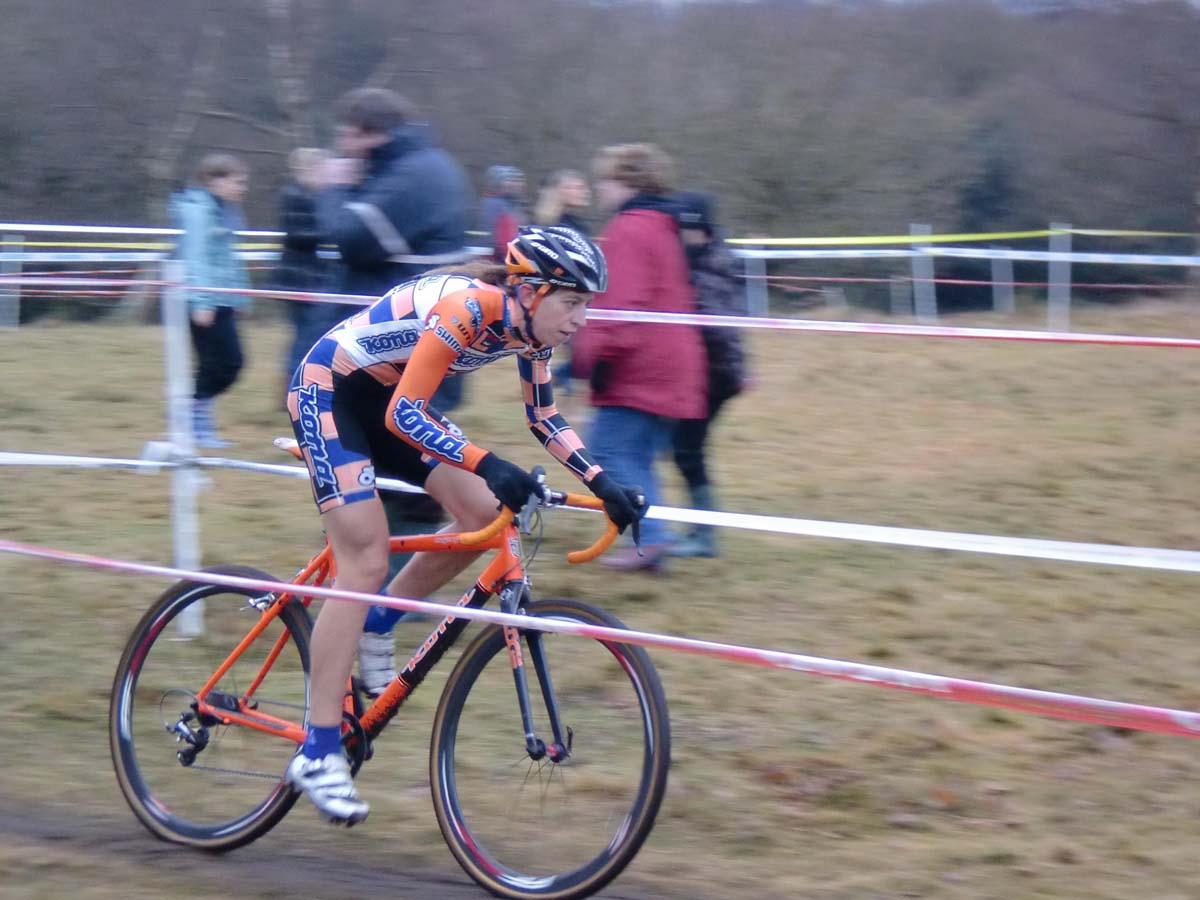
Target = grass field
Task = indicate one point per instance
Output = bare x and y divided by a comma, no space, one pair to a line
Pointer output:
783,785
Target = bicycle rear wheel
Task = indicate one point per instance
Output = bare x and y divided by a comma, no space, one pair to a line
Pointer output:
540,829
231,790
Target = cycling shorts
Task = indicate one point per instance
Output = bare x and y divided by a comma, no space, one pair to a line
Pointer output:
346,443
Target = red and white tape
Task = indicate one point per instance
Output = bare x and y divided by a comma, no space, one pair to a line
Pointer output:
1047,703
620,315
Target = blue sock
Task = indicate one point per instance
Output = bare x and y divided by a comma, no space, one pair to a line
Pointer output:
322,741
382,619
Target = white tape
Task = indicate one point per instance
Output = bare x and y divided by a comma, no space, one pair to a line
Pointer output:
830,327
1029,548
1136,259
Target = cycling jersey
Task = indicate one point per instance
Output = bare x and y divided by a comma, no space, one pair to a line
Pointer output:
388,360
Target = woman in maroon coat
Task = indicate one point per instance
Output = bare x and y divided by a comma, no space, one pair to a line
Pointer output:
643,376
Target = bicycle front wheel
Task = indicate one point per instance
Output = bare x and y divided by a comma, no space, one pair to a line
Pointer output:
199,782
526,828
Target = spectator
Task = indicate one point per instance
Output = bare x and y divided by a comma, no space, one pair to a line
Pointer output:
564,195
719,293
643,376
396,206
502,213
209,217
563,198
300,268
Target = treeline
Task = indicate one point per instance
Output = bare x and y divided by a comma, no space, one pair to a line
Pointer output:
817,119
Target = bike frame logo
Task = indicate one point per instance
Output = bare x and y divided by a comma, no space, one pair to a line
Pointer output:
309,414
412,422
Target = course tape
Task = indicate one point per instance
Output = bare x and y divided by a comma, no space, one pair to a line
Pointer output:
998,545
1134,259
1064,706
863,240
623,315
43,228
830,327
122,245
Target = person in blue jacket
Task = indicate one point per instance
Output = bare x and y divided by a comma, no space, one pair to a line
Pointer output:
209,217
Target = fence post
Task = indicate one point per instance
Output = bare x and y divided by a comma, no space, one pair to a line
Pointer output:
185,478
10,297
900,294
757,299
924,290
1058,296
1004,298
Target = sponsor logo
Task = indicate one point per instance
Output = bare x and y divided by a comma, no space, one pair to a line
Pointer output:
476,312
412,422
366,478
451,341
318,454
512,637
432,640
468,360
433,322
377,344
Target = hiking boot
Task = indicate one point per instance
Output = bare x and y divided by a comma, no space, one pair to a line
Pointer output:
628,560
204,430
701,541
327,782
376,661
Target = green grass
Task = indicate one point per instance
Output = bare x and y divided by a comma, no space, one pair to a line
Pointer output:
783,785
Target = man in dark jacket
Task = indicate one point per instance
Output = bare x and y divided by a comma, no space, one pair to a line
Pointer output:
395,206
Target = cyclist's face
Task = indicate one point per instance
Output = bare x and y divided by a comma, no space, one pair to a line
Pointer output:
560,314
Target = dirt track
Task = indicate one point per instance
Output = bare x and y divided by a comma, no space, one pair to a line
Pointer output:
86,841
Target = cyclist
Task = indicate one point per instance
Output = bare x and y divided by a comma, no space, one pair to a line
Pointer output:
360,399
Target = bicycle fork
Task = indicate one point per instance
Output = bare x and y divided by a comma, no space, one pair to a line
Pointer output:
511,597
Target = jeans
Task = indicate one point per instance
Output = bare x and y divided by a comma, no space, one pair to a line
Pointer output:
625,442
218,354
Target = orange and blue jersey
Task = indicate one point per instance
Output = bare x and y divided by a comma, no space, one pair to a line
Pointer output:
379,368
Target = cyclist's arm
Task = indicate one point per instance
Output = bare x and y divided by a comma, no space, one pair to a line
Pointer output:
407,415
547,423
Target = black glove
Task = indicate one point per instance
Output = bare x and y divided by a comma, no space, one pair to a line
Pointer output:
624,505
511,484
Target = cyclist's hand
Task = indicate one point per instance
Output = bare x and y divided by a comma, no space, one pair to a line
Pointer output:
624,505
511,484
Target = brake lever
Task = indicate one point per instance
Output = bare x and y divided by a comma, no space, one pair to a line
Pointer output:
525,517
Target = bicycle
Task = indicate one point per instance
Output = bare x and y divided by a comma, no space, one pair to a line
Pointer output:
201,730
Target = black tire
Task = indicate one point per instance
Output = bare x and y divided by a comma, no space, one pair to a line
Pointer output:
218,802
610,695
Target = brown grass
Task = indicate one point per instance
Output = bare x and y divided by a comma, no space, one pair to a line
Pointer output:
783,785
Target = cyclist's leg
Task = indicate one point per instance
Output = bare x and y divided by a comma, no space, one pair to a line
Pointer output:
358,534
472,506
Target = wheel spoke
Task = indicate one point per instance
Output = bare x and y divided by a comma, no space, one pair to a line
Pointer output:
579,830
219,785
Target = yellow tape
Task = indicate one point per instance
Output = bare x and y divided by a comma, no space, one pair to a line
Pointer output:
945,238
891,239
